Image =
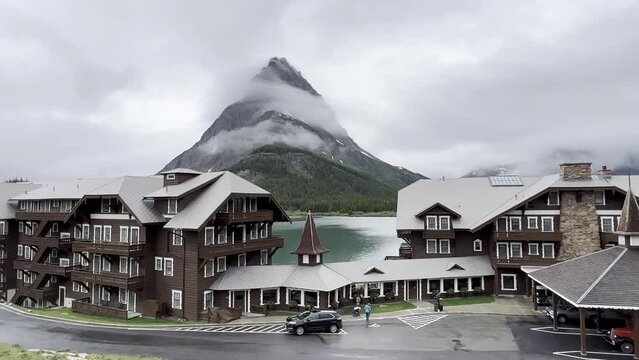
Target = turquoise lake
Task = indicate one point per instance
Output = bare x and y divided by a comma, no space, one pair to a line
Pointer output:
348,238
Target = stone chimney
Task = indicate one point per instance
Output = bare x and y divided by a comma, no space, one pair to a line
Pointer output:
575,171
605,172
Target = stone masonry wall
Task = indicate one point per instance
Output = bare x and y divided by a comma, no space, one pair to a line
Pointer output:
576,171
579,225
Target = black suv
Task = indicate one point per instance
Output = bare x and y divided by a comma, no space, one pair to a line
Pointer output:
316,320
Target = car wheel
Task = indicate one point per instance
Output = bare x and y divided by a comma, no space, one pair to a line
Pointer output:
299,330
627,347
562,319
333,329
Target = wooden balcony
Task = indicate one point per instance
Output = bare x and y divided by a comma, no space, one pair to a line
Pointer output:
222,219
211,251
46,241
111,248
523,261
524,236
608,238
43,268
83,306
41,216
36,294
439,234
108,278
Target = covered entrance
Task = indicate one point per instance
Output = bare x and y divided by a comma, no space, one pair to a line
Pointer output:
239,300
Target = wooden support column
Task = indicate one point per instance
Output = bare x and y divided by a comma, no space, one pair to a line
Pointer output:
582,330
555,300
534,294
636,325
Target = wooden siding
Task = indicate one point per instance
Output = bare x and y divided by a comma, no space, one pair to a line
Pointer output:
528,236
212,251
108,278
241,217
112,248
439,234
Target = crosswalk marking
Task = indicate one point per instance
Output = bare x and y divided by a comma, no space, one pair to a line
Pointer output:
420,320
244,329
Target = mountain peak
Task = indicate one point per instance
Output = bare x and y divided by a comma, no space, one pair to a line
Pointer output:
280,70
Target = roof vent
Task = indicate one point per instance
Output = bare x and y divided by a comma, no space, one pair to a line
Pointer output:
373,270
506,180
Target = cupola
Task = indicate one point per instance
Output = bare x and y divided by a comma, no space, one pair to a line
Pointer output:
310,250
628,229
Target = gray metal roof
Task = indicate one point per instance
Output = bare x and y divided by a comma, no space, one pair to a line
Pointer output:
604,279
9,190
479,203
331,276
179,190
198,211
180,171
74,189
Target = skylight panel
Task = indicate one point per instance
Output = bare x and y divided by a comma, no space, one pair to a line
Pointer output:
506,180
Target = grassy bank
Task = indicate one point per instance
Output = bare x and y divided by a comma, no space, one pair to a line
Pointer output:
380,308
471,300
68,314
18,352
297,214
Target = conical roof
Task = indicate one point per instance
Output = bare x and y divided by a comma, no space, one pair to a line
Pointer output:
310,243
629,221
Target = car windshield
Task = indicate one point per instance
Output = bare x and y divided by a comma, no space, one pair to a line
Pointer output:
303,315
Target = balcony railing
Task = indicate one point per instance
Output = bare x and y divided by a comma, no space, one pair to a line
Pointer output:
41,215
47,241
241,217
83,306
528,236
52,268
439,234
523,261
211,251
37,294
115,279
112,248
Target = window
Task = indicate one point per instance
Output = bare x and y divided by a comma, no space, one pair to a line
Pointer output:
477,245
431,246
221,264
124,264
122,295
54,279
81,287
553,198
20,250
124,209
263,257
64,262
23,205
509,282
85,231
106,295
106,233
168,266
65,205
54,253
515,224
238,205
305,259
254,233
547,224
270,296
172,206
20,226
209,268
106,205
124,234
607,224
106,265
515,250
444,246
176,299
533,249
264,232
78,259
54,228
241,260
158,263
170,176
444,223
600,198
253,204
209,235
548,251
318,258
97,233
135,235
532,223
27,252
503,250
221,235
177,237
56,203
431,222
208,299
77,231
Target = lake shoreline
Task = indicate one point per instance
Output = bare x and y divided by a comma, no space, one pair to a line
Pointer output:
297,214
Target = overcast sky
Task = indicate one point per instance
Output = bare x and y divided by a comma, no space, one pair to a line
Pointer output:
96,88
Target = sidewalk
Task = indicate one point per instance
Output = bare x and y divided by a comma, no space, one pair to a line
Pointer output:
503,305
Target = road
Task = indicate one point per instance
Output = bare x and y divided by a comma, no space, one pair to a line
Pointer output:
450,337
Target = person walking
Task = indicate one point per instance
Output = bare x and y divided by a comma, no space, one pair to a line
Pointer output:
367,311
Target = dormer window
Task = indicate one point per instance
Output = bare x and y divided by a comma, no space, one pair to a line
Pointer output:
106,206
444,223
600,198
553,198
431,222
434,222
170,176
172,206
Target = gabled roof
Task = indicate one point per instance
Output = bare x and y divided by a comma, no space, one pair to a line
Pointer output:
9,190
629,221
180,171
310,243
374,270
435,205
74,189
179,190
454,266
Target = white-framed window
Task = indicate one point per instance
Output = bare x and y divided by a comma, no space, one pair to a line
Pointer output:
431,222
54,228
209,235
106,233
54,253
106,205
124,264
509,282
238,205
265,231
78,259
607,224
124,209
444,246
56,203
253,204
65,205
106,265
221,235
477,245
547,224
176,299
177,237
77,231
444,223
263,257
85,231
553,198
134,232
431,246
209,268
208,299
64,262
221,264
106,295
122,295
97,233
20,250
600,198
53,279
20,226
27,252
515,250
159,261
124,234
254,233
168,266
533,223
305,259
172,206
533,249
318,258
515,223
77,287
241,260
170,176
548,250
269,296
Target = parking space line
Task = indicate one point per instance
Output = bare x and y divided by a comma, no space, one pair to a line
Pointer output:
577,354
565,331
419,321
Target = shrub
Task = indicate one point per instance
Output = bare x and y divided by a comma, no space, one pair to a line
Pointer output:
450,292
334,305
270,305
477,290
390,296
374,297
463,292
293,304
